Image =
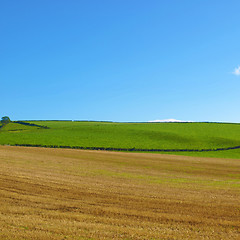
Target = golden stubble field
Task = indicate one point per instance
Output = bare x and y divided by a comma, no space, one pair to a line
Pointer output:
73,194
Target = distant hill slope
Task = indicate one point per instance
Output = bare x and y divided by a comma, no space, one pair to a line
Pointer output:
128,136
12,126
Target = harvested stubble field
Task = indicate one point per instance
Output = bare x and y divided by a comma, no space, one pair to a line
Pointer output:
74,194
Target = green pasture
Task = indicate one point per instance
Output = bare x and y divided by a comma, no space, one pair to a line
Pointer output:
11,127
128,135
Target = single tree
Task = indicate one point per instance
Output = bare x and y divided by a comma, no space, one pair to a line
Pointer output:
5,120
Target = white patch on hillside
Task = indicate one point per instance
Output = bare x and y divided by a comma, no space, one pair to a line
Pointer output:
168,120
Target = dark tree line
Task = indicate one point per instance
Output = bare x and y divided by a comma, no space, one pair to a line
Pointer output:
5,120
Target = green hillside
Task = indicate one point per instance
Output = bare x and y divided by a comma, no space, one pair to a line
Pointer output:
11,127
127,135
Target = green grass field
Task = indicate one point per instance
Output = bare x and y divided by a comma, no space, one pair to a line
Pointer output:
11,127
128,135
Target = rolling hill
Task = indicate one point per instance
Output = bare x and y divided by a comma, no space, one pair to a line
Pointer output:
167,137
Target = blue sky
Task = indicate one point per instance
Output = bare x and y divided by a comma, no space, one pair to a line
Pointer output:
120,60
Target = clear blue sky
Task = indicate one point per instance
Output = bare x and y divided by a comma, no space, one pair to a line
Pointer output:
120,60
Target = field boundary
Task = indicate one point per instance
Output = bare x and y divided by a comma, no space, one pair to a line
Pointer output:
30,124
126,149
